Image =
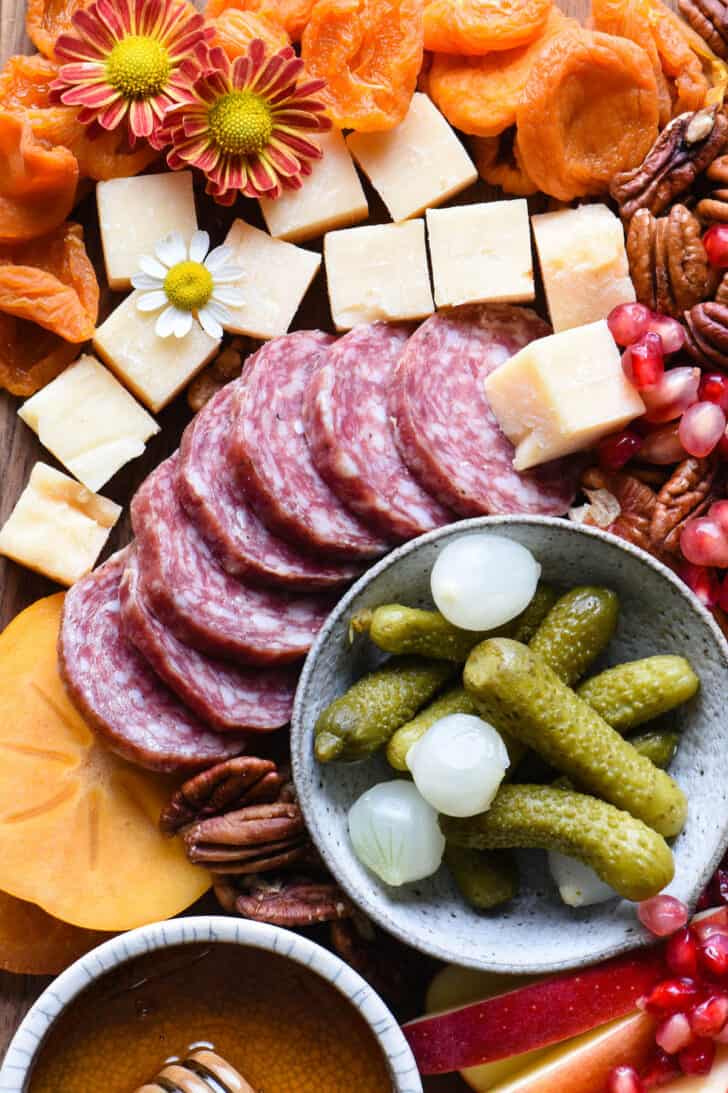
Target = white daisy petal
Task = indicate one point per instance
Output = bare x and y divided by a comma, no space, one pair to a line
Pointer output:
152,267
233,297
218,258
208,322
171,249
228,274
199,246
218,311
182,323
165,323
152,301
144,281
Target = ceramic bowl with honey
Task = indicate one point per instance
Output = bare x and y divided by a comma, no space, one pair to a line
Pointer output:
209,1005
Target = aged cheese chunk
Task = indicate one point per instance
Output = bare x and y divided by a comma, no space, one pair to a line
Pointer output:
58,527
583,264
378,272
90,423
135,213
276,277
481,253
418,164
331,197
562,394
154,369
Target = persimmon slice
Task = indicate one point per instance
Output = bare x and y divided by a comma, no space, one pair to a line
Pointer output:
78,825
37,184
475,27
589,110
32,942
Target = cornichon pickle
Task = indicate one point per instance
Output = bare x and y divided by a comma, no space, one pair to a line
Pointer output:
519,694
659,746
528,622
456,700
486,878
576,630
623,851
364,718
640,690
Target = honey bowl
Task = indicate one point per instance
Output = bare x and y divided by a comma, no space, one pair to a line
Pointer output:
284,1012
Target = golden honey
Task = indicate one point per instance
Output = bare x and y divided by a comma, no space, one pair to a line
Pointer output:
284,1028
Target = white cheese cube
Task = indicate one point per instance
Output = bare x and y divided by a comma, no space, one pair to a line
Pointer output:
58,527
331,197
154,369
562,394
378,272
135,213
416,165
583,264
276,277
481,253
90,423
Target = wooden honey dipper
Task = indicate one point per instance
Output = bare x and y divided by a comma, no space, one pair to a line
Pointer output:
201,1072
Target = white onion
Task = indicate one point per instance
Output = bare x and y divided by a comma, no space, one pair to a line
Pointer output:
578,884
395,833
459,764
481,581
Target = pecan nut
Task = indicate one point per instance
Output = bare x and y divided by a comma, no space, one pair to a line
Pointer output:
682,151
244,780
636,503
709,20
250,840
721,295
689,492
714,206
707,334
290,901
667,261
226,366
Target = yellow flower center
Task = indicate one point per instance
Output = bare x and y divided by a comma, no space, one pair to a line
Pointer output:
241,123
188,286
138,67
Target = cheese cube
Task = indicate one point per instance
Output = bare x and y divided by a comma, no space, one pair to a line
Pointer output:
562,394
135,213
276,277
583,264
481,253
331,197
378,272
90,423
418,164
58,527
154,369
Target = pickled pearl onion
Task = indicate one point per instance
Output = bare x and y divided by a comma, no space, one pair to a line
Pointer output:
459,764
395,833
481,581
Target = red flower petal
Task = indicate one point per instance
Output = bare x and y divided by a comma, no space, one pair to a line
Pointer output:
141,118
75,49
82,72
113,115
298,143
107,14
97,96
283,162
92,30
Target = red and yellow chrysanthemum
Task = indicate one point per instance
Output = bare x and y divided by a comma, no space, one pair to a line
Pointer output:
247,124
128,62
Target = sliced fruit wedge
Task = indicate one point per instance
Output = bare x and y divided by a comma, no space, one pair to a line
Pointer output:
34,943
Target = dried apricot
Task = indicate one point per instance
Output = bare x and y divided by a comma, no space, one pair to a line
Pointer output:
292,15
78,825
32,942
499,163
37,184
370,53
474,27
235,30
589,110
46,19
480,95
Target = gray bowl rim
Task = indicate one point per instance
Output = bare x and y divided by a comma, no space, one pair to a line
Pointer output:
300,744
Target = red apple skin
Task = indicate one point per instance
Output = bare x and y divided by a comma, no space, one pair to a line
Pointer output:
543,1013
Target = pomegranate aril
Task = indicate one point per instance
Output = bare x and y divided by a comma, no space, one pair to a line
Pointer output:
697,1058
660,1070
674,1034
702,581
718,512
711,926
703,543
714,388
669,398
628,322
671,332
714,955
624,1079
616,451
708,1018
681,953
715,242
662,915
663,446
701,427
673,996
644,361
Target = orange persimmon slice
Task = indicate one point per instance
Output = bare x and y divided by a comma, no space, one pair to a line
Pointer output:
475,27
79,829
589,110
46,19
32,942
37,184
370,54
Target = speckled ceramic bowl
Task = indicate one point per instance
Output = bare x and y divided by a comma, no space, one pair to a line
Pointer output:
28,1040
535,932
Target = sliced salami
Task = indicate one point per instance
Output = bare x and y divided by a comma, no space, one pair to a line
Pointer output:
213,498
227,696
273,459
204,606
119,694
351,438
445,429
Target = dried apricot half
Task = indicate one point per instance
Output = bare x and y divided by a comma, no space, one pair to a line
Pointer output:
46,19
474,27
32,942
292,15
37,184
589,110
499,163
370,54
235,30
78,825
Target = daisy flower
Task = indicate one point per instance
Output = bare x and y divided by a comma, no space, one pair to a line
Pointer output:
189,284
247,124
128,61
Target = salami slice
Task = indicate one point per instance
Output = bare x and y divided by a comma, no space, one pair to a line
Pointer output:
445,429
269,447
204,606
226,696
119,694
213,499
352,440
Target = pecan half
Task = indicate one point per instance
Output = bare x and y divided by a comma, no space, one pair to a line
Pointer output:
290,901
682,151
250,840
721,295
244,780
667,260
715,205
689,492
636,501
707,336
709,20
226,366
